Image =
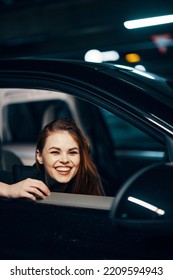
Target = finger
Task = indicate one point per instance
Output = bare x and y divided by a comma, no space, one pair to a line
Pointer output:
36,192
39,185
29,195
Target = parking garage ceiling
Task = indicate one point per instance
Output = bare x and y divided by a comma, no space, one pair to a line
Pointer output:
69,28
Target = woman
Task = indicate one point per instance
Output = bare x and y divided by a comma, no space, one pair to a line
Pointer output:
63,164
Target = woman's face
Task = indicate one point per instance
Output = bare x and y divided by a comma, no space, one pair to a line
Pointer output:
60,156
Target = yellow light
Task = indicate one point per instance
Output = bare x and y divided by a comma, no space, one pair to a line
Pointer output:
133,57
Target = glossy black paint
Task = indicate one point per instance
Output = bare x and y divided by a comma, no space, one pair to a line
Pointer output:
53,232
130,93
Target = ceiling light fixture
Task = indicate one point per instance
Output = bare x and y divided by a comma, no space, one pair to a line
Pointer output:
145,22
98,56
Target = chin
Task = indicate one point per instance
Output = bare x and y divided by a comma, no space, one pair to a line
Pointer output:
63,181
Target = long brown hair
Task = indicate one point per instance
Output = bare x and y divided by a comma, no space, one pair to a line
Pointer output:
87,180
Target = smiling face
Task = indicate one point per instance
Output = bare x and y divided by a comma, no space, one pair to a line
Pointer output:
60,156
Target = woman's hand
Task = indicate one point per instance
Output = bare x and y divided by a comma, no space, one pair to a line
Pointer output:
28,188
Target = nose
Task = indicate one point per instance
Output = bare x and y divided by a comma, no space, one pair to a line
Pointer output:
64,158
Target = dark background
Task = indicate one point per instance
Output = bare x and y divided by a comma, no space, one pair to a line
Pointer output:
69,28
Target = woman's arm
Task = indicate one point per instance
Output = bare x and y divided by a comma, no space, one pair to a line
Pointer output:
28,188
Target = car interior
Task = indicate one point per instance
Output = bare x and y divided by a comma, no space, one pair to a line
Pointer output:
118,148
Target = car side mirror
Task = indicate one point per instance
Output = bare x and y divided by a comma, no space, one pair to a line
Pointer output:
145,201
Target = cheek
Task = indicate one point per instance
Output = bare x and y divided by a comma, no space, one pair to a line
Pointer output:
47,160
77,165
77,162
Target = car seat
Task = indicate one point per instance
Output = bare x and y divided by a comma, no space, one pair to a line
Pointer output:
8,159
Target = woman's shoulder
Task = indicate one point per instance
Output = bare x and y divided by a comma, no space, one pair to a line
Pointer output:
6,177
18,173
22,172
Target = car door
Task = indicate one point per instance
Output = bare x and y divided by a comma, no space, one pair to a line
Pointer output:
57,228
68,226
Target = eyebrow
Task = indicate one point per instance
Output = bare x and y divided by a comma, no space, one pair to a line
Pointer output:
75,148
58,149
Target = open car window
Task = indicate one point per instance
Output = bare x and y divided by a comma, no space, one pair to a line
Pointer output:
118,148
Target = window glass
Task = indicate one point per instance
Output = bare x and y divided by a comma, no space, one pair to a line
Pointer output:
126,135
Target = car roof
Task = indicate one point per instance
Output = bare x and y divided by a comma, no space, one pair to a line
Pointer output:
108,85
78,69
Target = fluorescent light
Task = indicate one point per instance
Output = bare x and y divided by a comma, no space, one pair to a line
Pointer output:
146,205
138,23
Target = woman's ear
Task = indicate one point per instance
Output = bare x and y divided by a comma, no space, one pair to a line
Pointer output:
39,157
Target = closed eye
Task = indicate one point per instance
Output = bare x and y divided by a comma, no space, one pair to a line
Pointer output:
73,152
55,152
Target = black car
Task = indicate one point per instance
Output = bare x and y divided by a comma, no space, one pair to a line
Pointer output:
127,116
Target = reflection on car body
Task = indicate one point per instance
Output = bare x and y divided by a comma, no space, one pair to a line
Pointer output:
126,116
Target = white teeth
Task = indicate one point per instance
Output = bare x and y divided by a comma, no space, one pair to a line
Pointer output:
63,168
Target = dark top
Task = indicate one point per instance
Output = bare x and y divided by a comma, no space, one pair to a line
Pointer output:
21,172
